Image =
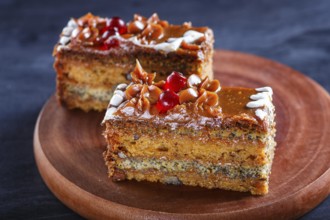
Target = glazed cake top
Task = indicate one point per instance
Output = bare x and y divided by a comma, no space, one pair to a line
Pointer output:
190,101
101,35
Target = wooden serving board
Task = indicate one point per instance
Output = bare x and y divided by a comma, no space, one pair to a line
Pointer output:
68,149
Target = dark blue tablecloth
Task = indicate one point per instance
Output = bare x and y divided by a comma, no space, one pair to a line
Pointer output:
296,33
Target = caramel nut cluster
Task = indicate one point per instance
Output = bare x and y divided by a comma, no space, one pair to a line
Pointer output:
143,94
204,94
88,30
106,33
148,30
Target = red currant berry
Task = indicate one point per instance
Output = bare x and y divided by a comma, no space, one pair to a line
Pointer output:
110,43
175,82
107,34
118,25
104,36
167,100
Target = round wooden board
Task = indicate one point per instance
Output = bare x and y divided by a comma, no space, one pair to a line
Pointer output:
68,149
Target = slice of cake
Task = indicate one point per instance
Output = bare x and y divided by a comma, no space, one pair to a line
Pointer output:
190,131
94,54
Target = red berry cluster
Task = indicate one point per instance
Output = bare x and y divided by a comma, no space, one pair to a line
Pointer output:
113,26
169,98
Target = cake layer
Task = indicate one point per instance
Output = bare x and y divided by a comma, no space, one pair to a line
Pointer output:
193,173
77,95
255,186
92,51
138,139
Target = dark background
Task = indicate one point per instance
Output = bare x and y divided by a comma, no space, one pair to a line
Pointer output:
296,33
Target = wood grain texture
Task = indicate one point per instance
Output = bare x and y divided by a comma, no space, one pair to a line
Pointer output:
68,149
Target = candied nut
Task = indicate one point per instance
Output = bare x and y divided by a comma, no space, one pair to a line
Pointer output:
135,27
160,83
151,77
163,23
200,40
202,98
212,98
188,95
204,83
85,34
193,80
100,24
138,74
152,32
153,18
144,104
126,36
154,93
187,46
132,91
83,21
138,17
145,91
213,86
95,34
134,101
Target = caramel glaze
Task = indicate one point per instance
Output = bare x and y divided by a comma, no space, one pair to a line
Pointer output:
233,101
199,49
202,103
233,114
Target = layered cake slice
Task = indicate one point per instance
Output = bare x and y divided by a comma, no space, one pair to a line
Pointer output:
94,54
190,131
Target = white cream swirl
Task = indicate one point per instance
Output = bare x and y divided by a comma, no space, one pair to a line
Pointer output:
262,99
172,44
117,98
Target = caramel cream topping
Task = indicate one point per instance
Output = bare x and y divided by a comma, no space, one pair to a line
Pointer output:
142,96
199,100
152,32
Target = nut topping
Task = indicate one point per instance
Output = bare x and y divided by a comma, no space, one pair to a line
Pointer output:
141,76
152,32
188,95
143,95
107,33
135,27
187,46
